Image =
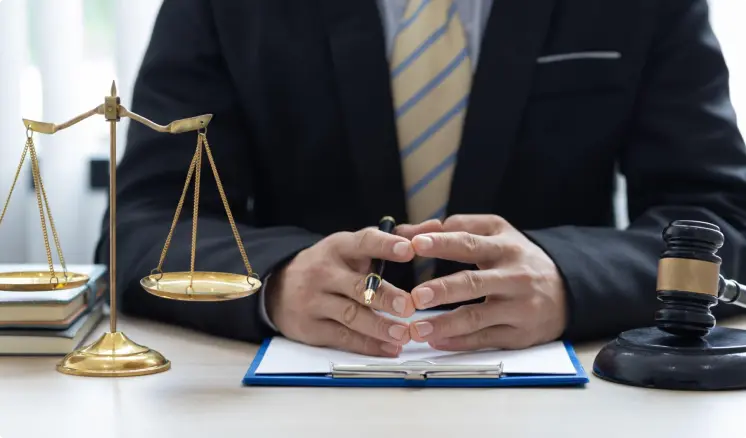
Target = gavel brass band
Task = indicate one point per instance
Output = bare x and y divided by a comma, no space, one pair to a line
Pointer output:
688,275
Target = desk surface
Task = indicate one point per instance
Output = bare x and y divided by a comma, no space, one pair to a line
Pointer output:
201,396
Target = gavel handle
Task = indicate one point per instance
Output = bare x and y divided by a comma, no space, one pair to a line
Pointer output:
731,292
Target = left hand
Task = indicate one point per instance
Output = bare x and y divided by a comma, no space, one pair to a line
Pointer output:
524,293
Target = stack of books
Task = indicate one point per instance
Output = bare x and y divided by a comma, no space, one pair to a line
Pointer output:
51,322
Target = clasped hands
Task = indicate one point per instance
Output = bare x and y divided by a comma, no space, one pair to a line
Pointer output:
317,298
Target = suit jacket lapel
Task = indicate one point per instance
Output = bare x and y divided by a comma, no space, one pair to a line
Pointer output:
361,72
512,41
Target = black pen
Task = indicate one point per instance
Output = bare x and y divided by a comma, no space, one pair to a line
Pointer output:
373,280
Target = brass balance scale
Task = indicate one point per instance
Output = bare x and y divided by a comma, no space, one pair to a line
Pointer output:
113,354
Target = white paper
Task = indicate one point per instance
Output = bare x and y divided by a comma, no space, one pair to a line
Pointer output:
284,356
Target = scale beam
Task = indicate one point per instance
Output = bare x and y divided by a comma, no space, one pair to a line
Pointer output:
175,127
51,128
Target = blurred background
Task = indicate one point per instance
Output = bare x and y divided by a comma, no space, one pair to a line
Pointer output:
57,60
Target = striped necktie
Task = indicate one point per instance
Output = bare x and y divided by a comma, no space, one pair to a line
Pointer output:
431,79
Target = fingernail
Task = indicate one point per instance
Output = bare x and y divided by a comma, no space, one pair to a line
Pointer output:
401,248
423,328
424,295
424,242
397,332
390,348
400,304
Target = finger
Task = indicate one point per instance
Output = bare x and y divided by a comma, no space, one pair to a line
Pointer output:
365,321
343,338
500,336
467,319
408,231
480,224
463,286
388,298
458,246
373,243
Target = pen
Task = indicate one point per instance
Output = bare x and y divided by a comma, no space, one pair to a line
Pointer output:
373,280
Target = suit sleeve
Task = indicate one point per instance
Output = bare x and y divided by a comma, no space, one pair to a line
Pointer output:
684,159
183,74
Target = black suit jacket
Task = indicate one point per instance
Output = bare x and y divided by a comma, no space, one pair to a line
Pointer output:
304,138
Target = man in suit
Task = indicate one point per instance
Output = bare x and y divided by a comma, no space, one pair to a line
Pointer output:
490,129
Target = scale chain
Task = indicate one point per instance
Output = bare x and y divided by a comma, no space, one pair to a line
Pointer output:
197,183
196,172
179,207
42,202
36,175
51,222
227,207
15,180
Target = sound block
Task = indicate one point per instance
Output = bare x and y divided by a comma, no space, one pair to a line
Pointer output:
651,358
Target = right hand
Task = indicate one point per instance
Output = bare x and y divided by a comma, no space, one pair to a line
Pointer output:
317,298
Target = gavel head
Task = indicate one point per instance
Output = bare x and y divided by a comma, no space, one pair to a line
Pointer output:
688,278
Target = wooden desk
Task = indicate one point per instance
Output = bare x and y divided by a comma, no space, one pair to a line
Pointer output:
201,396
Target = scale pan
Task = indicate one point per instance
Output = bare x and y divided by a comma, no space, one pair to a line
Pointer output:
35,281
205,286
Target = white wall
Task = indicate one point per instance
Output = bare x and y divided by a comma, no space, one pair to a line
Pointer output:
65,81
729,21
12,136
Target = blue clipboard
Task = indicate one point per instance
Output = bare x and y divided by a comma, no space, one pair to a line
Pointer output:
580,378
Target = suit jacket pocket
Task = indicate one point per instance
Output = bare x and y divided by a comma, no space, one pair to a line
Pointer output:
578,72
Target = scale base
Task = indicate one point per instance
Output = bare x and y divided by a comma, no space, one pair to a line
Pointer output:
113,355
651,358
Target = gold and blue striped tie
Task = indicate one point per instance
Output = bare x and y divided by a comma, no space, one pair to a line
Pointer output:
431,80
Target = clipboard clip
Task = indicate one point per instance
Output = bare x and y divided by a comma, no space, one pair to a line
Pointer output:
418,370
